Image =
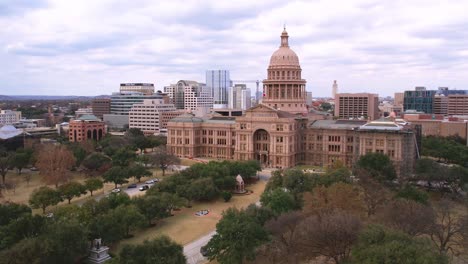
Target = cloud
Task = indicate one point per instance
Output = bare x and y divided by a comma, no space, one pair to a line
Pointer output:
88,47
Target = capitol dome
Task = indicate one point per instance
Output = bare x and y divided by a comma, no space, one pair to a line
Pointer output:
284,56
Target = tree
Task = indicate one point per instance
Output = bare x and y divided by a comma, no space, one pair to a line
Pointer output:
151,207
325,106
20,160
284,247
379,245
130,217
238,236
378,165
145,160
226,196
408,216
171,201
26,226
448,228
96,161
71,189
93,184
54,163
44,197
29,250
66,241
123,157
279,201
330,234
338,196
117,175
374,194
163,159
158,250
12,211
5,164
411,193
139,171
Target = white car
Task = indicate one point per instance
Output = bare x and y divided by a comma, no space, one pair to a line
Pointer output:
116,190
152,181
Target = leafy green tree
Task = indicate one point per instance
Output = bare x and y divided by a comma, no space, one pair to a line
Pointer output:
171,201
226,196
12,211
204,189
93,184
139,171
411,193
279,201
259,213
25,226
5,164
379,245
151,207
71,189
145,160
378,165
325,106
275,181
20,160
163,159
238,236
96,161
117,175
28,250
130,217
158,250
123,157
66,241
44,197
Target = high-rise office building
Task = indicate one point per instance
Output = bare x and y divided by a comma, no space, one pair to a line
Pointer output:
189,95
399,98
144,88
100,106
239,97
420,100
218,81
357,105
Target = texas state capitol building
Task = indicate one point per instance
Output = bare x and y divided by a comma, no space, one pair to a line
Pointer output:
280,133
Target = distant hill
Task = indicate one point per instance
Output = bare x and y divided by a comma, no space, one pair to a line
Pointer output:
44,97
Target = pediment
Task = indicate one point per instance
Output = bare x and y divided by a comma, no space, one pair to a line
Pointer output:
261,110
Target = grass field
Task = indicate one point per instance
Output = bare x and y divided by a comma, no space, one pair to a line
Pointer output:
185,227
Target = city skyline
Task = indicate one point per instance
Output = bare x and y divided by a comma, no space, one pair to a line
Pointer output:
87,48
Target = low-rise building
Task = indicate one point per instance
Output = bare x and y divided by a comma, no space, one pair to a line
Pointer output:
87,127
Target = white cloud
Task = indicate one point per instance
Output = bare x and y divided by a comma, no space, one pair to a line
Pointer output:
367,45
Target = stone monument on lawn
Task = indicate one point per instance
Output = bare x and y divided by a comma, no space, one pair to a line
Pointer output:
240,188
98,253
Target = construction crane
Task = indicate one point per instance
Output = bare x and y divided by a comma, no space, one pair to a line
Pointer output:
250,81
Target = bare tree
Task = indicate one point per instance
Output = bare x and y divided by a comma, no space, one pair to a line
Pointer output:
54,163
330,234
284,247
338,196
447,231
374,194
408,216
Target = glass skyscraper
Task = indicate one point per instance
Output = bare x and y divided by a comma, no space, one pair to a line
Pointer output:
218,81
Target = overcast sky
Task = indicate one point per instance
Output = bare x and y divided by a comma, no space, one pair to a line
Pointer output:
88,47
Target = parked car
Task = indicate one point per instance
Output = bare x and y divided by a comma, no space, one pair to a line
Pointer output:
33,169
204,250
144,187
152,181
116,190
133,185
